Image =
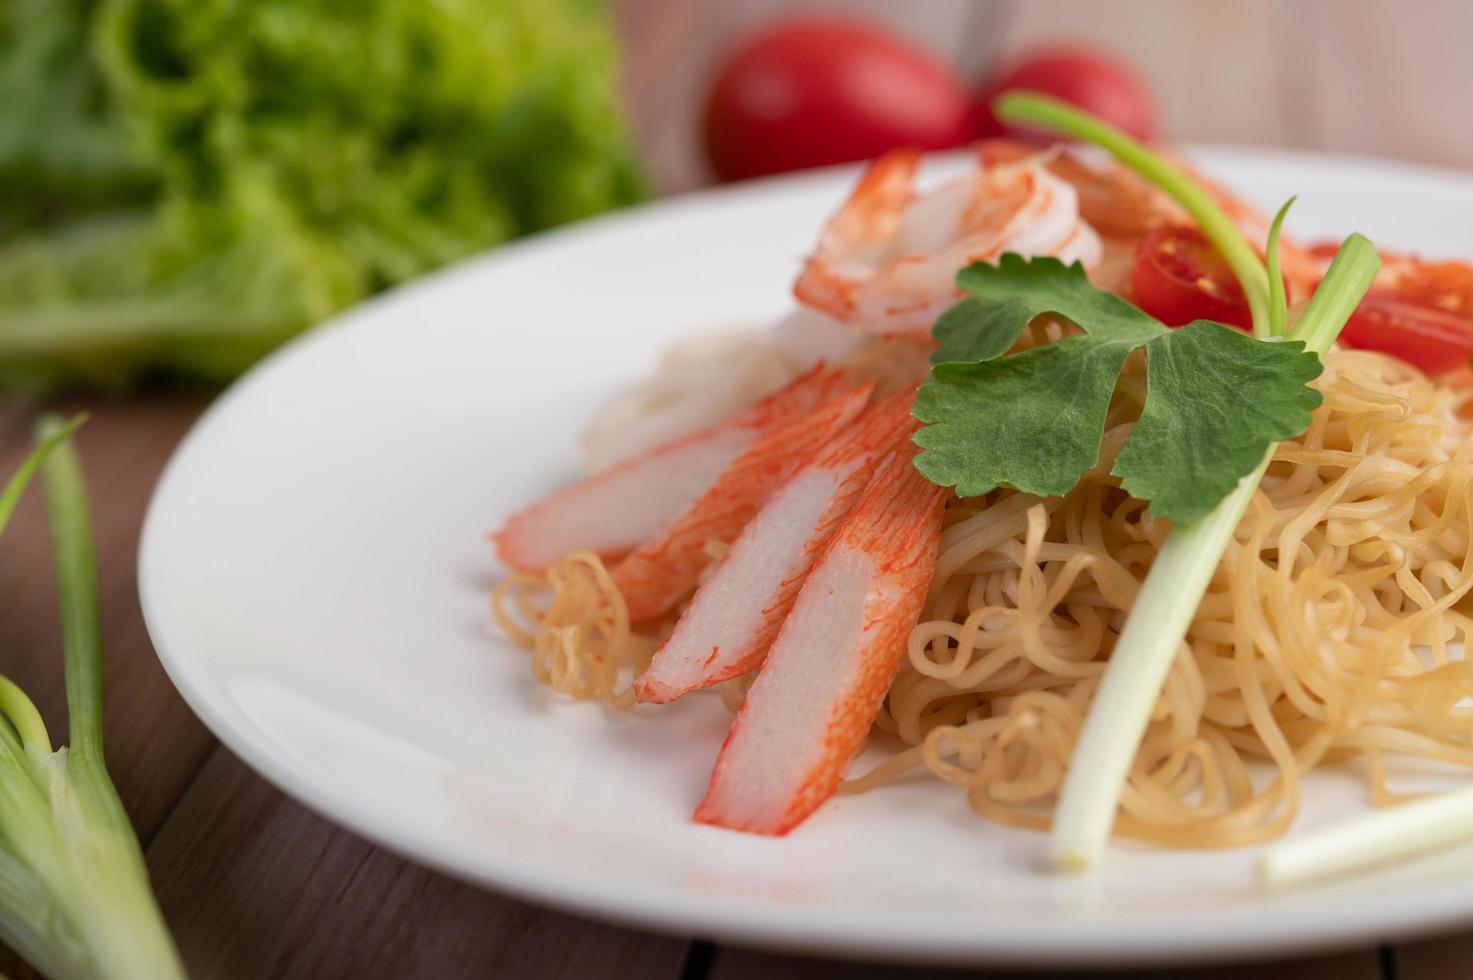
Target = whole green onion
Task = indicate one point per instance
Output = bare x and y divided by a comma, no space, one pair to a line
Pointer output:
75,900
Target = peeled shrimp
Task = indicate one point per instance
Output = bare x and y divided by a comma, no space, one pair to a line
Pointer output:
1115,201
887,261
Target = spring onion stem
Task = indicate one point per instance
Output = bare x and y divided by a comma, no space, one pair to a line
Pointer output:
1178,579
30,919
1345,282
1371,839
1278,305
22,714
100,876
1166,604
1117,720
76,580
1060,117
16,485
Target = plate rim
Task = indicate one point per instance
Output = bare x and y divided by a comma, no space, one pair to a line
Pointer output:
1136,941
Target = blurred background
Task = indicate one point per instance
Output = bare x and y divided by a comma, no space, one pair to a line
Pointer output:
185,185
1379,77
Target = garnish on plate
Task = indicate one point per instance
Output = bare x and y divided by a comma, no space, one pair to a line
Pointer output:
1033,421
1081,602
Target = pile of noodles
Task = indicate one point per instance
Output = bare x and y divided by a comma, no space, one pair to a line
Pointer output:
1331,632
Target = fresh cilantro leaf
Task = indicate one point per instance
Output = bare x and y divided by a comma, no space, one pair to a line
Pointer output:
1006,297
1032,421
1215,400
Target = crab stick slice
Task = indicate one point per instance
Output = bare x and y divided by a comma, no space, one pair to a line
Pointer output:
664,569
733,618
821,686
613,511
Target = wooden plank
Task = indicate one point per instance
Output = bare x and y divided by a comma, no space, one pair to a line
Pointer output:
1216,69
1442,958
257,886
1396,78
745,965
672,47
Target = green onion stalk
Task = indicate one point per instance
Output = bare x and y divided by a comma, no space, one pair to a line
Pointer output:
75,899
1178,579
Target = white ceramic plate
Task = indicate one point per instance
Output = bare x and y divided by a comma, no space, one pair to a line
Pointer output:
314,573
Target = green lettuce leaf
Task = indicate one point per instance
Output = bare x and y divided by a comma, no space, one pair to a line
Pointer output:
183,186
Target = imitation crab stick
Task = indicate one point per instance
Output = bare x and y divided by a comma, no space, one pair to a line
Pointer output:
826,675
613,511
733,618
663,569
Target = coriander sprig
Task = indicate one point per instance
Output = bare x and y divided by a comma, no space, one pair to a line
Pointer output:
1216,399
1155,467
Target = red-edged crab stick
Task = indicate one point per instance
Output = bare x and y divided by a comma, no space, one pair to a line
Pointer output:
730,624
826,675
613,511
664,568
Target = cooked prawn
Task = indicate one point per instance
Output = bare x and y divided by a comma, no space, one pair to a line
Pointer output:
887,261
1122,206
1114,200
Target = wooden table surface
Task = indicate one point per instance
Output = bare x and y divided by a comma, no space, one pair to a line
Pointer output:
253,885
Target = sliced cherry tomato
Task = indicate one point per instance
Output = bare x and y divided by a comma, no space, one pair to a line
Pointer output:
1178,277
1439,285
1426,337
819,90
1090,79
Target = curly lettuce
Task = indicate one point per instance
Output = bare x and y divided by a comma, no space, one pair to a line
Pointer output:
185,184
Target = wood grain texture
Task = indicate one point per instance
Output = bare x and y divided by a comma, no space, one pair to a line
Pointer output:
1216,68
256,886
1441,958
1396,77
735,964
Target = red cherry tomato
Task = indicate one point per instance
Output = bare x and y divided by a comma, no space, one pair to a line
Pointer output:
1092,80
1178,277
1426,337
821,90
